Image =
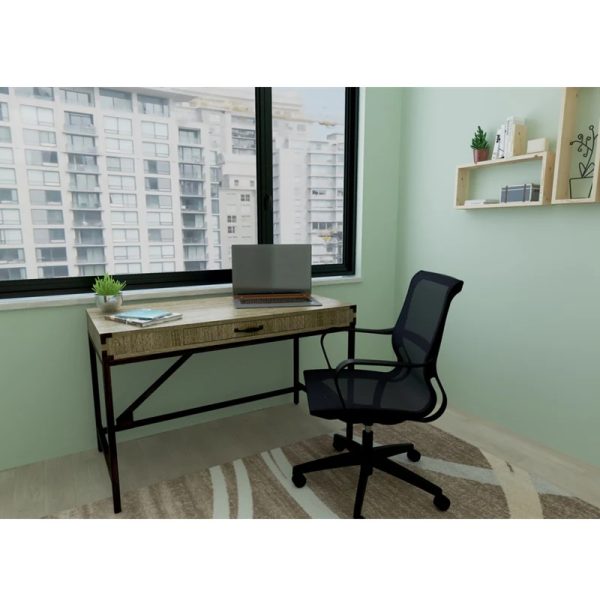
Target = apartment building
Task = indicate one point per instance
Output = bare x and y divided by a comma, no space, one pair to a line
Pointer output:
132,180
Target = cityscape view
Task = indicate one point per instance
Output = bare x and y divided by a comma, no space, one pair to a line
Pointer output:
147,180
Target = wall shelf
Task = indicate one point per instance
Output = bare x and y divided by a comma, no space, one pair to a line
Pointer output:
567,131
546,175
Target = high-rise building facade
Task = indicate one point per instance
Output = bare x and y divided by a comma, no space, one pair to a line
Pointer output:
146,180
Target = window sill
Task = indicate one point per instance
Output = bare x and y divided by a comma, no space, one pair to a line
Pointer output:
150,294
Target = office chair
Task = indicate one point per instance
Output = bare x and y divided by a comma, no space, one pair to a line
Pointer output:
403,392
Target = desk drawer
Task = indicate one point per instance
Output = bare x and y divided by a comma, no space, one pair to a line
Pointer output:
182,337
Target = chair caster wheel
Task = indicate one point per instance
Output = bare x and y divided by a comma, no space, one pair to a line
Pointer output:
413,455
298,480
441,502
338,443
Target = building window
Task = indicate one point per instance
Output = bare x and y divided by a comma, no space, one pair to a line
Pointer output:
7,176
158,131
10,216
116,163
51,254
41,157
116,100
124,253
49,236
245,197
117,125
47,217
121,182
47,178
77,96
152,105
189,136
230,229
5,137
157,183
45,197
123,200
80,143
10,237
3,111
160,167
12,274
79,181
231,219
243,141
190,154
8,196
79,120
118,145
159,218
6,156
85,199
35,137
153,149
41,93
126,235
34,115
160,235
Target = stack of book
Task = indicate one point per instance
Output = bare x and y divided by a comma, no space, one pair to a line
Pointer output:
144,317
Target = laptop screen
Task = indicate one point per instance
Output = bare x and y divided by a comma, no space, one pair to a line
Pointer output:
271,268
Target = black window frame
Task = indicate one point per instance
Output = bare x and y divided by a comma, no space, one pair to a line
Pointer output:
264,188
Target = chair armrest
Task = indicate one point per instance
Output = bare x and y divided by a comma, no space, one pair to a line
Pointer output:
356,330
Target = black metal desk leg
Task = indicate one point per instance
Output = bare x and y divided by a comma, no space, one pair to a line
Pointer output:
351,354
296,370
112,439
96,394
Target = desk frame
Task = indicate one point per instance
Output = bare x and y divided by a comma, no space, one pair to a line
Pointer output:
106,434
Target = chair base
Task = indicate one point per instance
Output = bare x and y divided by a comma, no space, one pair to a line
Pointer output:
370,458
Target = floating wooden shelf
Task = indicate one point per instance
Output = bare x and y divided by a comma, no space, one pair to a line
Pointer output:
567,132
546,174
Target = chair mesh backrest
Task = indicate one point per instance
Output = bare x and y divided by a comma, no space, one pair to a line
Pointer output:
417,335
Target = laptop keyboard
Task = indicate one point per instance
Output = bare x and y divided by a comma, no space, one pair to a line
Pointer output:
271,300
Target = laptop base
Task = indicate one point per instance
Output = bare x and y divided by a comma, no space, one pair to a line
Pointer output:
280,303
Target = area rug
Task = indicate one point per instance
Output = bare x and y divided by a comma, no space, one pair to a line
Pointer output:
479,484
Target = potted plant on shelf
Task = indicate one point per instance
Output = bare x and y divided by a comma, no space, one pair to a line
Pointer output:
479,143
581,187
108,290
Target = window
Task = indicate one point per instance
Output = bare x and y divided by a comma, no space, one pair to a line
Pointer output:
123,200
3,111
6,156
159,218
127,253
161,167
117,125
116,163
41,157
45,197
189,136
80,143
47,217
34,137
8,196
124,218
158,183
162,267
12,255
117,145
220,152
49,236
115,100
152,149
152,105
12,274
48,178
4,90
153,201
10,236
10,216
79,96
150,129
75,120
34,115
81,181
121,182
41,93
190,154
51,254
158,252
54,271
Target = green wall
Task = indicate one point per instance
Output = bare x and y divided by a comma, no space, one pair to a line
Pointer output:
45,404
522,346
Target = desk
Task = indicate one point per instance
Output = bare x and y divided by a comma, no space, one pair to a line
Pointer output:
208,324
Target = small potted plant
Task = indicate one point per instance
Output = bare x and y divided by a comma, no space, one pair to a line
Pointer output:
108,290
581,187
479,143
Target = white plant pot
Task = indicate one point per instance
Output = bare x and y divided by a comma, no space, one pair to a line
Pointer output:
109,304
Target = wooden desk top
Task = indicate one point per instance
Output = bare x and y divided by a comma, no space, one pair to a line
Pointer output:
210,321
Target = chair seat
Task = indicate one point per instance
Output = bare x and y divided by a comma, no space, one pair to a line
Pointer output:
368,398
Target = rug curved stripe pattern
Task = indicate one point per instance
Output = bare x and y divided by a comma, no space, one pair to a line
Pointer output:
479,484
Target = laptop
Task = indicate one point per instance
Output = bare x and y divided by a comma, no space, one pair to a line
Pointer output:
271,275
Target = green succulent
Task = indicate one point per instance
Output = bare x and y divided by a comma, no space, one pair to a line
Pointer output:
108,286
479,141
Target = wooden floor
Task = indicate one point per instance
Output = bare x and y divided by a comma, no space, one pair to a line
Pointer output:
53,485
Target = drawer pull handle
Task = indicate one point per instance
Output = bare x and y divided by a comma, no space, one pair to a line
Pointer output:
248,329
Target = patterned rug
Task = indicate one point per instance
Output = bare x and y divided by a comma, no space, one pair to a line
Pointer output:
480,485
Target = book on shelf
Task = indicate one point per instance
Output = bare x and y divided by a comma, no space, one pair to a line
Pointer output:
481,202
144,317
